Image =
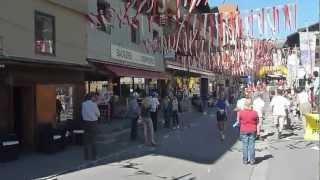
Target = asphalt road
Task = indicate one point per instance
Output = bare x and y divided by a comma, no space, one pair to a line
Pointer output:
196,153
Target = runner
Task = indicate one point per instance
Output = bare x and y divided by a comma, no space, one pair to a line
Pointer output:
222,106
280,106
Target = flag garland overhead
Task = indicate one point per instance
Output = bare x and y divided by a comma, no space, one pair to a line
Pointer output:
201,34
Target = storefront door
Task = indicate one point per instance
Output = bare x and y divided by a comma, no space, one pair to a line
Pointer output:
23,108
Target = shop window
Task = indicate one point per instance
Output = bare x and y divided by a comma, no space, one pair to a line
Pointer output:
135,36
64,102
104,11
44,34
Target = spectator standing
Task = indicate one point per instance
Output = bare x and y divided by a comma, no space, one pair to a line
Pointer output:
147,121
248,128
133,115
167,110
90,115
258,106
59,109
154,110
240,106
175,108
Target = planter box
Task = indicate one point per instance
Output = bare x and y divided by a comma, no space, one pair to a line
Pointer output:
9,148
51,140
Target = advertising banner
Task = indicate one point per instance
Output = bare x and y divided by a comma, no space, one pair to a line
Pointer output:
308,48
312,131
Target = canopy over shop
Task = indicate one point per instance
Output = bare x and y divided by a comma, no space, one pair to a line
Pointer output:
128,78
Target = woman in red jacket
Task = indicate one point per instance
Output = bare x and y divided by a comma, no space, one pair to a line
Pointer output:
248,120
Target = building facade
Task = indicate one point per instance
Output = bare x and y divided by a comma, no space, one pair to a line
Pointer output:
123,52
317,55
43,50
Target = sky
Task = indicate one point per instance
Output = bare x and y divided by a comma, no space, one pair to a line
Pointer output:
308,10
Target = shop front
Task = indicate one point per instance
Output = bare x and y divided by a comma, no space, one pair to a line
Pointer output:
122,80
190,80
34,94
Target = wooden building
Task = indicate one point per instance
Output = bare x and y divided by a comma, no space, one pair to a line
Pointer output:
42,47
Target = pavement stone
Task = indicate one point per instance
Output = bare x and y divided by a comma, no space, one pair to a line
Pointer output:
194,152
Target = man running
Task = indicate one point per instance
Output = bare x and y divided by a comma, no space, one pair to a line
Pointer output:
222,106
280,106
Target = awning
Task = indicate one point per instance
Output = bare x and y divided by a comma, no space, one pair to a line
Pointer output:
123,71
265,70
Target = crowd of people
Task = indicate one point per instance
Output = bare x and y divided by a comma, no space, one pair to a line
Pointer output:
147,113
287,104
250,107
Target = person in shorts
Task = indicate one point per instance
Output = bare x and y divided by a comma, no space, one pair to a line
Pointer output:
280,106
222,106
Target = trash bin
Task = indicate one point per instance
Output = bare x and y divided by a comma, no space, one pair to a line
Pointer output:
65,130
76,131
9,147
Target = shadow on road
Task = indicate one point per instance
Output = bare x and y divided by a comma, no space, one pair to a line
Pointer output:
265,157
199,142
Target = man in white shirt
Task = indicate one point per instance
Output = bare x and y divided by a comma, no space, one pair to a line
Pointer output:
258,105
304,104
279,105
90,115
240,106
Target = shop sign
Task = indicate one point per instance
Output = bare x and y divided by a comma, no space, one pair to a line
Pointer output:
307,50
130,56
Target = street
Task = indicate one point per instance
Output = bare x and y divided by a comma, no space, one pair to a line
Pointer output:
159,90
196,152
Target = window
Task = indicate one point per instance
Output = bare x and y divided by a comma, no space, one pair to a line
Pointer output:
135,36
105,15
64,102
1,46
317,55
44,34
155,34
317,42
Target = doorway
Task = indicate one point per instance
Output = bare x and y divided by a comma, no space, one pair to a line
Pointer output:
23,108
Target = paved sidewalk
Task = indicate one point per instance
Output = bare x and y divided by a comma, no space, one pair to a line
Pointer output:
198,154
194,152
109,143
